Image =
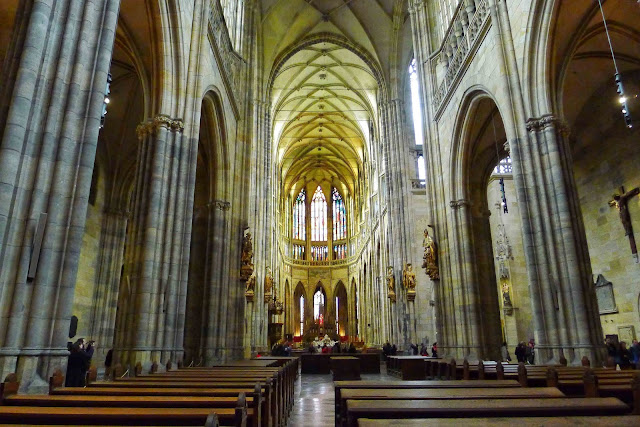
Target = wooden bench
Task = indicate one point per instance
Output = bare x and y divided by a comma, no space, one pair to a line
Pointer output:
390,385
345,368
611,421
37,415
442,394
465,408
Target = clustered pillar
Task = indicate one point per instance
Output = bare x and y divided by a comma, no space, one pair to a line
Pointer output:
51,109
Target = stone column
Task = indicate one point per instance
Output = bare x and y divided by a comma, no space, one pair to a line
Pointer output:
105,297
216,301
153,326
53,100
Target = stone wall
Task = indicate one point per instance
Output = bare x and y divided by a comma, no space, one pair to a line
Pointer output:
606,158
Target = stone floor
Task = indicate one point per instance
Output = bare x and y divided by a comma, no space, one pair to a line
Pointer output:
314,402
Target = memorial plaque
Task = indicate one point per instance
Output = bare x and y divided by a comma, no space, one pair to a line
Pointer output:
604,293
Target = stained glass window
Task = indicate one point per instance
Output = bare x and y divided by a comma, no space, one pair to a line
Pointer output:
319,253
301,315
415,102
318,216
298,251
318,306
300,216
340,251
504,167
339,216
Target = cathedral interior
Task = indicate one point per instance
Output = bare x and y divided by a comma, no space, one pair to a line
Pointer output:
195,181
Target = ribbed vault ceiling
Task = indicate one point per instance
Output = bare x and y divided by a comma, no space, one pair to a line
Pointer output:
323,98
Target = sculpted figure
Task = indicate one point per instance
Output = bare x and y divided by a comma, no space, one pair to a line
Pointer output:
505,295
391,284
430,258
247,250
409,278
268,282
251,284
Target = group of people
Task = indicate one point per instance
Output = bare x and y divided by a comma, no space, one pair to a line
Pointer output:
392,350
281,348
79,362
336,348
624,357
525,352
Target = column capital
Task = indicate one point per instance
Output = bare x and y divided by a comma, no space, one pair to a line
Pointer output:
150,126
537,124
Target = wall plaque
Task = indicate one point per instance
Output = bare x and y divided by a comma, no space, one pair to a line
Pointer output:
604,293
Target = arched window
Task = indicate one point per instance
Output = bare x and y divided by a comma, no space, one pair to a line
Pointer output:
422,171
318,216
300,216
504,167
301,315
415,102
318,307
339,216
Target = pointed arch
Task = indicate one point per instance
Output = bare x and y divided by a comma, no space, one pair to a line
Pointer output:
341,309
299,310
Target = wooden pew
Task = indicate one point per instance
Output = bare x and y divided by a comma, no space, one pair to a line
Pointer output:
229,410
465,408
442,394
37,415
268,411
610,421
383,385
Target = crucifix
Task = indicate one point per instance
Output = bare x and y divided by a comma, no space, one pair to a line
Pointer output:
620,201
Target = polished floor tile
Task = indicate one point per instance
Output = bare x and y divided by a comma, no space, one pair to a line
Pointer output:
315,400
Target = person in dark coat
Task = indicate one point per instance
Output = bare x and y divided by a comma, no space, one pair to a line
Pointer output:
520,352
77,366
434,349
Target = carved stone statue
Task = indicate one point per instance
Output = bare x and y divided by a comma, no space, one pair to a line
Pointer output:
391,284
430,258
268,286
250,287
246,268
409,281
507,305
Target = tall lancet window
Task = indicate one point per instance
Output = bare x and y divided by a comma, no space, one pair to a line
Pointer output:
318,216
415,102
300,216
339,216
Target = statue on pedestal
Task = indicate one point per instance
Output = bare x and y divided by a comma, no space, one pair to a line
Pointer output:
246,268
409,282
268,286
250,287
430,258
391,284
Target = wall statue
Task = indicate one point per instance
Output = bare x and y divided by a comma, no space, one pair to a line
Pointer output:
507,305
430,258
409,281
391,284
246,268
268,286
250,287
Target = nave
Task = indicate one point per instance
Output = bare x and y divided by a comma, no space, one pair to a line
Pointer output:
271,391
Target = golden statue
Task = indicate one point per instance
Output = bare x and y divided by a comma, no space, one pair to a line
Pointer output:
430,258
250,287
268,285
409,281
391,284
246,268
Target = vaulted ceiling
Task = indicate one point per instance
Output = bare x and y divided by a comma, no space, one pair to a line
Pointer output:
324,94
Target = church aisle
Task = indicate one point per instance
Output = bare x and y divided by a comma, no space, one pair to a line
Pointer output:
315,399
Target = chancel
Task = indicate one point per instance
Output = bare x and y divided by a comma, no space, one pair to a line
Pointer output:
191,187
